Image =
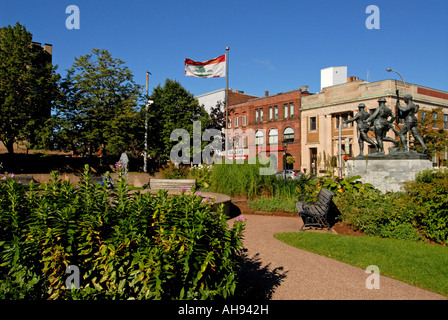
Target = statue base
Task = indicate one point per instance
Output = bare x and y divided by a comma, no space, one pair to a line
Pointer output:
387,172
394,153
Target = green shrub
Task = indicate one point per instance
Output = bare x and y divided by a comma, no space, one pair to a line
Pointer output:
429,191
139,246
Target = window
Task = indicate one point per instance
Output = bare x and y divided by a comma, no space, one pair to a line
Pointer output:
423,115
445,121
286,111
244,120
259,138
434,117
270,114
256,115
276,112
313,123
261,115
291,109
273,136
230,122
288,134
244,141
237,121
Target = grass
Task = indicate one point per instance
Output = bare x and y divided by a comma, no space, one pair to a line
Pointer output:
273,204
418,264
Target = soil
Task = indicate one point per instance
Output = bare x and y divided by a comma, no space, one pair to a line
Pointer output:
240,206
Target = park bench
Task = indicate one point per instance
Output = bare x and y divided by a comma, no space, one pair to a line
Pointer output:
171,184
315,214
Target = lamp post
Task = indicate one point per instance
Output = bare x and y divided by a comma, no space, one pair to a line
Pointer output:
148,103
285,146
406,92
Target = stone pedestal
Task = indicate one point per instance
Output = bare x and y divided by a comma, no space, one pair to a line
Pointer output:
387,173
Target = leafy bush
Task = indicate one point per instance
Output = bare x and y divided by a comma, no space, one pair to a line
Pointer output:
429,191
170,171
139,246
202,174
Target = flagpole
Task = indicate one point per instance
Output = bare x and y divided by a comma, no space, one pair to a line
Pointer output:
227,106
227,87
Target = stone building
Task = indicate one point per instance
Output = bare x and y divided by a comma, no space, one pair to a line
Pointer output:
322,114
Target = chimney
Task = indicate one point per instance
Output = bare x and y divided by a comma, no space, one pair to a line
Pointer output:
266,93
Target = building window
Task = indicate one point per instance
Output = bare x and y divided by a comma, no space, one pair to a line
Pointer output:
237,121
259,138
341,118
270,114
244,141
276,112
313,123
273,136
291,109
288,135
423,115
445,121
230,122
256,115
286,111
244,120
434,117
261,115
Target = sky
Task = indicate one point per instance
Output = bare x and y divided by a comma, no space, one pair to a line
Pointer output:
275,45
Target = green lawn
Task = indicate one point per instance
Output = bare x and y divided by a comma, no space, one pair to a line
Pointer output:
419,264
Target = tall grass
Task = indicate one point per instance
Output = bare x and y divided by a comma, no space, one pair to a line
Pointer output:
244,180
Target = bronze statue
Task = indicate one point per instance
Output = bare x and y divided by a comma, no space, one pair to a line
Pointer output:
382,125
408,113
363,128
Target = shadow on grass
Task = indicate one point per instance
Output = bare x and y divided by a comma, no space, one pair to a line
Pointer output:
257,282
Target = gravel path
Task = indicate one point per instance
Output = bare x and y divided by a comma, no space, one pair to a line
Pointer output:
283,272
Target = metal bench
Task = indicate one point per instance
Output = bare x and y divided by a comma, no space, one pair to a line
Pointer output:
315,214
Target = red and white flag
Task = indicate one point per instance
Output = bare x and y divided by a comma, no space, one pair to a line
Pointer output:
208,69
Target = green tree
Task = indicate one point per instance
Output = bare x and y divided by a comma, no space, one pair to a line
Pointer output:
434,136
99,108
174,108
28,90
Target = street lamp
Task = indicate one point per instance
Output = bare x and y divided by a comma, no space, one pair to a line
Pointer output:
390,70
406,92
285,146
148,103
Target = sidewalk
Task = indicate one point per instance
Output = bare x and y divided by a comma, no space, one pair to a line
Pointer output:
295,274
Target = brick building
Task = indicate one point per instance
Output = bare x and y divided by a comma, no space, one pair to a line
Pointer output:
267,124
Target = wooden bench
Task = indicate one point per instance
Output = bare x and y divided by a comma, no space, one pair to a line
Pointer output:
315,214
171,184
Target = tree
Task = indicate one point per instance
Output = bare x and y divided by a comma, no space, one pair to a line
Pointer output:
434,136
174,108
99,108
28,90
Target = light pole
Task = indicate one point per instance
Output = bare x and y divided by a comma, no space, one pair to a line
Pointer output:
405,92
285,146
148,103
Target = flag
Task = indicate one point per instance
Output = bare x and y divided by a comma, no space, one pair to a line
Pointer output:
208,69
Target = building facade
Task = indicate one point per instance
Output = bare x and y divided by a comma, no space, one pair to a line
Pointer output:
267,125
211,99
323,113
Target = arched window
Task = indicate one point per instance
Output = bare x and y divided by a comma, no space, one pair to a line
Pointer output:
273,136
259,138
288,134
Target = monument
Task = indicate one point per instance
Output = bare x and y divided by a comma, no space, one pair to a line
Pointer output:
388,171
